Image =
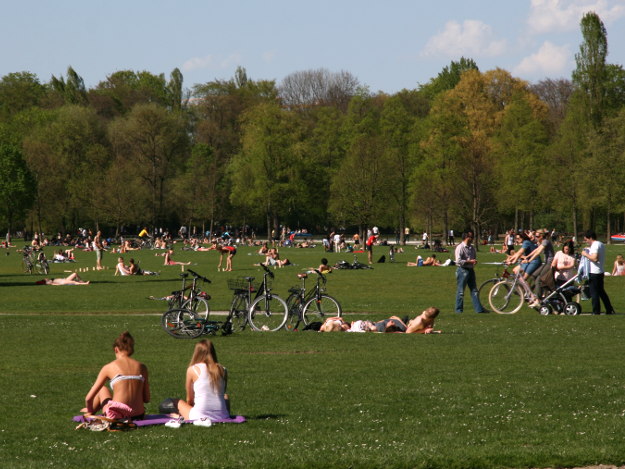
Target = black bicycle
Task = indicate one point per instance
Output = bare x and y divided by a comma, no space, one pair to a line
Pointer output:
255,304
189,296
312,305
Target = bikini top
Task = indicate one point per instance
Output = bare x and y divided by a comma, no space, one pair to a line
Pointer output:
120,377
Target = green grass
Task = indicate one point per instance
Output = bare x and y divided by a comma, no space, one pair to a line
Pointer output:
492,391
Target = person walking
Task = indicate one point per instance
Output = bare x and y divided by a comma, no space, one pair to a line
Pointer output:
596,256
465,274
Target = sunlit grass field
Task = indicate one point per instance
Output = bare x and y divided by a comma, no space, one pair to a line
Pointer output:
491,391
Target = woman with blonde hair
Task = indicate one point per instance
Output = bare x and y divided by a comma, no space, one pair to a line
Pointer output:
128,380
619,266
206,386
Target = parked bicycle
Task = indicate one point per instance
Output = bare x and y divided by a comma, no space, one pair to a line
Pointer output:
35,261
182,323
256,304
189,296
312,305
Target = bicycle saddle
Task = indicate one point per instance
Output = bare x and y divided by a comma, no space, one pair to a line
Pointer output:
302,275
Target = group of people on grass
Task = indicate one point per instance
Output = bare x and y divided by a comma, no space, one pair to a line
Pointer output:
128,379
422,324
557,268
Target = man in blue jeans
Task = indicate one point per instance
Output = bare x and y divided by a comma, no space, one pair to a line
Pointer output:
465,274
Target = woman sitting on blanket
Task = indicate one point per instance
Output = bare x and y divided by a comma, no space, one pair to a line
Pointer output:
128,380
206,386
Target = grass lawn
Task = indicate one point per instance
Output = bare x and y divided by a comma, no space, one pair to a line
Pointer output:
492,391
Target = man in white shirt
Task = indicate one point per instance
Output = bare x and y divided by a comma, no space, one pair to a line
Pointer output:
596,256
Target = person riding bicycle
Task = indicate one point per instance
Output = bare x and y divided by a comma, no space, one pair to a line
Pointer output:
527,264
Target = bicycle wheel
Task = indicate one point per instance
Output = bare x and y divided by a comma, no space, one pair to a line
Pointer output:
268,313
42,267
198,305
504,299
294,304
320,308
182,324
484,290
28,266
237,317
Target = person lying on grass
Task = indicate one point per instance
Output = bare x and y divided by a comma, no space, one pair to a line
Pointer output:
71,279
324,268
128,379
422,324
206,386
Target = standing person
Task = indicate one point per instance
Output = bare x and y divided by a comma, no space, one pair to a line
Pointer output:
451,238
509,242
465,274
424,238
98,247
230,252
596,256
369,247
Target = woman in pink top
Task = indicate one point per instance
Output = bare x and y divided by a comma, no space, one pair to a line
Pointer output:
563,264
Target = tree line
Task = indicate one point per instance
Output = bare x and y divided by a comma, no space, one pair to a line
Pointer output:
319,150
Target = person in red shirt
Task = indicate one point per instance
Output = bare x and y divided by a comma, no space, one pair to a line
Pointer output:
229,250
369,247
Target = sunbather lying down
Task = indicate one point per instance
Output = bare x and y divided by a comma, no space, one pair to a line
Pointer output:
71,279
422,324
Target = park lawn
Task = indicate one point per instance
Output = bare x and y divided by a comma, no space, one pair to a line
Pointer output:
492,391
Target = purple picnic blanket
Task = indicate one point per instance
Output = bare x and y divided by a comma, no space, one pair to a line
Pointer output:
161,419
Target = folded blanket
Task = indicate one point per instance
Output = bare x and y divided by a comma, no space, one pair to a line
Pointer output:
161,419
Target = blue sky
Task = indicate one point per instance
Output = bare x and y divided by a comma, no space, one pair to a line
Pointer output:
388,45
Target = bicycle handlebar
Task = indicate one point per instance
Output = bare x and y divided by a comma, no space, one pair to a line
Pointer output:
196,275
266,269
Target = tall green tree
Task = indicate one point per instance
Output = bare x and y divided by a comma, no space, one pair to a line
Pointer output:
397,124
519,149
590,74
17,186
156,141
72,89
267,173
18,92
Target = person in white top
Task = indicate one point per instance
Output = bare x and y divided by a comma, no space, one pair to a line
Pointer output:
596,256
120,268
206,386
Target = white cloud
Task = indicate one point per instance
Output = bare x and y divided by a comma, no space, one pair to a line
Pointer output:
268,56
211,62
548,16
549,60
471,38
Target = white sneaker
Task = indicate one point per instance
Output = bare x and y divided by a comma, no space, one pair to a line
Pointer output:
203,422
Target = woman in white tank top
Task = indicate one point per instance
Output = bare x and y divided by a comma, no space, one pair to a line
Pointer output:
206,386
